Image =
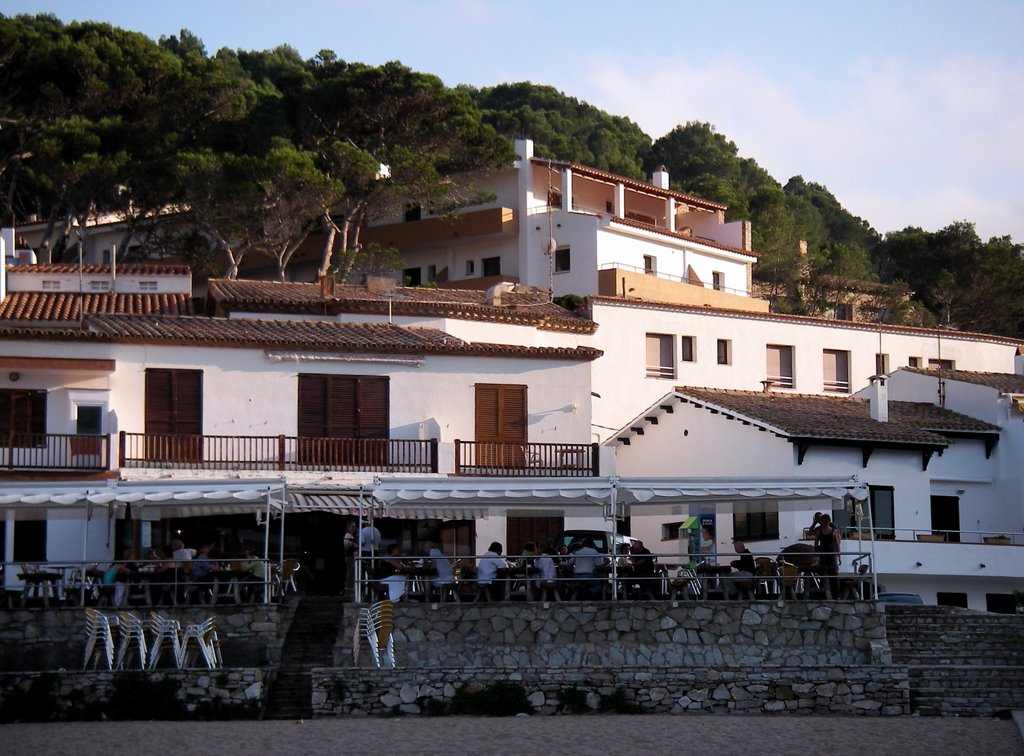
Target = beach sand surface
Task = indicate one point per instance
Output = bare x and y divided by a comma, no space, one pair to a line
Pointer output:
584,734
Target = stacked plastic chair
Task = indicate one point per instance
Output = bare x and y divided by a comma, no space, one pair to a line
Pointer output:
376,625
200,639
164,629
133,639
100,641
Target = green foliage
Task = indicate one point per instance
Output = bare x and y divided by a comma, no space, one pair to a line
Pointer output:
500,699
573,701
571,301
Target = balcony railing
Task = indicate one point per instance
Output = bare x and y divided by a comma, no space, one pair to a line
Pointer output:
58,452
505,459
195,452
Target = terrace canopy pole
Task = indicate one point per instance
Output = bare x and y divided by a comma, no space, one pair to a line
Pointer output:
266,552
85,551
612,506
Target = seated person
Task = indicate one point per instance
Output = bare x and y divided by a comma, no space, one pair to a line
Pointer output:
442,566
744,567
389,573
584,563
643,568
487,570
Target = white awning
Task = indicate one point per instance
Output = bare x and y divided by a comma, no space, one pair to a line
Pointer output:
339,503
148,499
539,497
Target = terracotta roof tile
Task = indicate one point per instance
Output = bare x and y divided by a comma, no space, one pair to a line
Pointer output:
1005,383
632,183
520,308
133,269
840,418
61,306
309,335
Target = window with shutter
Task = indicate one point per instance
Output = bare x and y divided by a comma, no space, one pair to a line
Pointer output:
660,359
836,370
23,415
501,425
174,415
780,365
339,414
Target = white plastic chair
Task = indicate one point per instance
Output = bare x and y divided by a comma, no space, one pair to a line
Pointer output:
164,629
200,638
376,625
100,641
132,638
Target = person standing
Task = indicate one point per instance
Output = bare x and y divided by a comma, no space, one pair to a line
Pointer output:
826,543
348,549
584,563
369,547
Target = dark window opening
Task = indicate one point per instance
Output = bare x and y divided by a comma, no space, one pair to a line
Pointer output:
412,277
748,525
563,260
951,599
492,266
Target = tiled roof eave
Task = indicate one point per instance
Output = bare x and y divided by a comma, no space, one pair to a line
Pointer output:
683,237
934,445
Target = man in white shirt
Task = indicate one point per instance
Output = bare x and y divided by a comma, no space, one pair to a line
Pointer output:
584,563
487,568
369,547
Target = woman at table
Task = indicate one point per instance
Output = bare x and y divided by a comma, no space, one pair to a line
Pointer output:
125,570
389,571
827,542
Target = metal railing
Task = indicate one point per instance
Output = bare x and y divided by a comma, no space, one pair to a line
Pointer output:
55,451
511,459
674,578
929,535
140,582
201,452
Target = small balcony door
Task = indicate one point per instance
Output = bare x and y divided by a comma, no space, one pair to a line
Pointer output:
501,432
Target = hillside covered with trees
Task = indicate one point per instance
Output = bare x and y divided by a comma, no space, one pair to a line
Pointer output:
259,150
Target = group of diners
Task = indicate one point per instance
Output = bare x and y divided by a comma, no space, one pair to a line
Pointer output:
579,571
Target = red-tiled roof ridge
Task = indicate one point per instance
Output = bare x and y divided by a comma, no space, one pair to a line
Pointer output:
128,268
782,317
525,308
1006,383
41,307
307,335
630,182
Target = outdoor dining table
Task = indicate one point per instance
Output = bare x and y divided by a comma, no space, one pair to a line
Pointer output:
42,584
417,578
512,576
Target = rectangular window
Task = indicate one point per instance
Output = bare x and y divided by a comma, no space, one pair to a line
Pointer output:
660,361
554,198
780,365
914,362
650,265
148,286
23,416
563,261
944,598
718,280
881,364
749,523
29,541
470,267
836,369
338,415
882,514
941,364
89,420
51,285
412,277
431,272
492,266
501,425
686,353
99,286
724,352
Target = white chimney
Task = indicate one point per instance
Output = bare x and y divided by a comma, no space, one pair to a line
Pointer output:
878,398
660,177
6,254
1018,361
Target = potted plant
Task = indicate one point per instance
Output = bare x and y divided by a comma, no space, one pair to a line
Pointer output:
999,540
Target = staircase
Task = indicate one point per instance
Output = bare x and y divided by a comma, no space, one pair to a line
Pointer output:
309,644
960,662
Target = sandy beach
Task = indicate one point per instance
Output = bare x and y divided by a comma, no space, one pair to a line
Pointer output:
655,734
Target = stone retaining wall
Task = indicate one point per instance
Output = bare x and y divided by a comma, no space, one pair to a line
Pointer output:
52,639
864,690
568,635
75,695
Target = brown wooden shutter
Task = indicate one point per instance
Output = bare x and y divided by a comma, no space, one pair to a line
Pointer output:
312,405
188,402
487,414
373,407
159,402
341,409
513,414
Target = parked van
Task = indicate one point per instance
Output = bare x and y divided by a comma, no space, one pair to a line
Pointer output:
600,538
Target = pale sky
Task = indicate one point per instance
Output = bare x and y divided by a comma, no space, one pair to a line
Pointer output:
911,112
